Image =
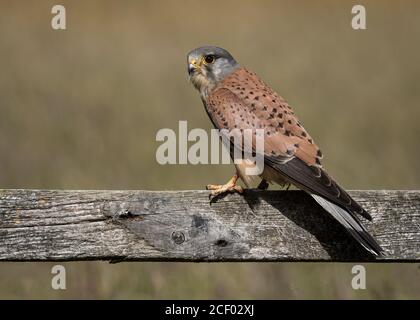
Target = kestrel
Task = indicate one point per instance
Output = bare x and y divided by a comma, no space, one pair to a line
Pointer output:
236,98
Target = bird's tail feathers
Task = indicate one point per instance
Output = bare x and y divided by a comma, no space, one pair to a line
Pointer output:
352,224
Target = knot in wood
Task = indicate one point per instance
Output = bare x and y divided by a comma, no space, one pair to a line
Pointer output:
178,237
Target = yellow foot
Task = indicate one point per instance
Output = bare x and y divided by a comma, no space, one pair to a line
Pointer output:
230,187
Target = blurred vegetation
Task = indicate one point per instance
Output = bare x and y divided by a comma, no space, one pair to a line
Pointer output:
79,109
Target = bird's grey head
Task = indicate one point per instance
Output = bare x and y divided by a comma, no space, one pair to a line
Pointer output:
208,65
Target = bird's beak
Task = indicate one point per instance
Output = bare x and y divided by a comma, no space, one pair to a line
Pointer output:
192,66
191,69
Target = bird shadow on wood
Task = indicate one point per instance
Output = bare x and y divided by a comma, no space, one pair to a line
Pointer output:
304,211
214,199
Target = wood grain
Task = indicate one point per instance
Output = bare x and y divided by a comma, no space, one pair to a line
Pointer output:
49,225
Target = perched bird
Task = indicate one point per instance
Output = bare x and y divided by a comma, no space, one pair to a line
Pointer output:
236,98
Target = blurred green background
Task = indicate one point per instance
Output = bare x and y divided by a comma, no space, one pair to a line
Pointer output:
80,108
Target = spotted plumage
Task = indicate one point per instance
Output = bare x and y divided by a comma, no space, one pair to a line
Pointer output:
284,134
236,98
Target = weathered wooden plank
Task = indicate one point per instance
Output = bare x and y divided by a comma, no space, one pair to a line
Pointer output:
41,225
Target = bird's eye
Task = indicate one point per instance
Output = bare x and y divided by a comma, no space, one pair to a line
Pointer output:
209,58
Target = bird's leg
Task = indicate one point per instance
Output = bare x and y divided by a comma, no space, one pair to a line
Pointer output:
263,185
230,186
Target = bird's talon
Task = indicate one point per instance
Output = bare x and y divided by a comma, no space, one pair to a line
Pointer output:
229,187
239,189
213,187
